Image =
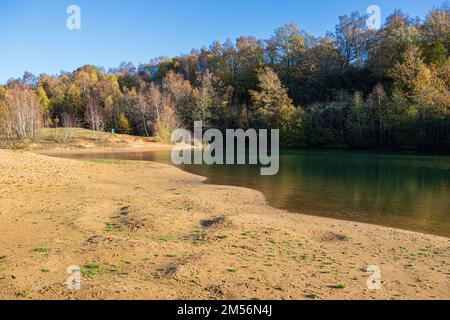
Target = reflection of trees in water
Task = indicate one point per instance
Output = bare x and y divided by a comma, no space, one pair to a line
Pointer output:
370,188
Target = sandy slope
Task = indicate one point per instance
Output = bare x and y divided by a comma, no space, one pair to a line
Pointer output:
144,230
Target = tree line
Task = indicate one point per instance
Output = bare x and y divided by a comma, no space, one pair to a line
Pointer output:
355,87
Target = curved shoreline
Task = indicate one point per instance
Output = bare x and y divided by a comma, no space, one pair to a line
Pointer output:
163,235
164,147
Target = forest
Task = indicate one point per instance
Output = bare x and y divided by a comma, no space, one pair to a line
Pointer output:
354,88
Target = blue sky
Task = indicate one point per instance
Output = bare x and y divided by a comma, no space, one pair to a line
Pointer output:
34,37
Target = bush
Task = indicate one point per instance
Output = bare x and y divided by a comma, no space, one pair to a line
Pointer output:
124,124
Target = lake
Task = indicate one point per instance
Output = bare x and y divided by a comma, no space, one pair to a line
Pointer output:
404,191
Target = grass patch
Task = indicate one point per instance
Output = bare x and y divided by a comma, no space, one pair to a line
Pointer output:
305,257
109,227
42,250
95,269
23,294
78,133
341,286
233,270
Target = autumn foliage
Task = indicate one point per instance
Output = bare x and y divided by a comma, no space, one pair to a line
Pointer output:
355,87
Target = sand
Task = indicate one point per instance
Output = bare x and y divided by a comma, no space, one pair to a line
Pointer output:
143,230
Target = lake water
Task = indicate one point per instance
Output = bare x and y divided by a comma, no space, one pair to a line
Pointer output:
404,191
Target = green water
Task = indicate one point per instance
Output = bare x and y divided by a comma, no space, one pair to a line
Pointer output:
404,191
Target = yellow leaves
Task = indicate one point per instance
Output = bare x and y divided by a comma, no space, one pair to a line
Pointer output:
3,93
114,81
415,78
86,79
412,112
123,124
74,91
109,101
43,99
271,98
437,24
422,79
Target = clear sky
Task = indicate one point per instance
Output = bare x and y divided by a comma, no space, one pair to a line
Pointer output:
34,37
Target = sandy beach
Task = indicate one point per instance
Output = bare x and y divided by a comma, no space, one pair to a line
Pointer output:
143,230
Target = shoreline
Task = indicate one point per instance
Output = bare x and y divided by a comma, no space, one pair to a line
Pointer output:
160,147
146,230
205,181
